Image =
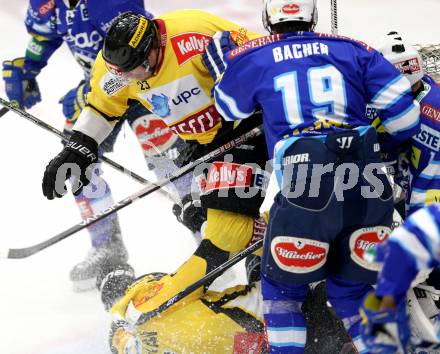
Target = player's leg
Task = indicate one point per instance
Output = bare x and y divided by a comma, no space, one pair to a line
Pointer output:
303,220
162,150
285,323
229,228
105,235
107,245
345,297
367,218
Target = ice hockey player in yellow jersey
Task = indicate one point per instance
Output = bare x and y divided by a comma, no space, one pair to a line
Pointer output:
218,323
158,63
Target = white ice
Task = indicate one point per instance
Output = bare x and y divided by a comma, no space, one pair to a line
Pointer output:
39,313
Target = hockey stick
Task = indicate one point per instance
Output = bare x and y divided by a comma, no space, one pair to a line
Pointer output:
29,251
206,279
10,106
334,16
3,111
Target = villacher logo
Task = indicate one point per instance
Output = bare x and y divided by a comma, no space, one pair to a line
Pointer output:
366,239
298,255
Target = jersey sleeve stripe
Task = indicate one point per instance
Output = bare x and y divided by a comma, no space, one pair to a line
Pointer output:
287,336
418,197
411,245
405,120
424,226
391,93
225,101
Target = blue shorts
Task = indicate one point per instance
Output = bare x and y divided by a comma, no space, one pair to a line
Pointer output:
335,204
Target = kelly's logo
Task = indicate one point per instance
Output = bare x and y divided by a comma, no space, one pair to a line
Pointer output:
189,45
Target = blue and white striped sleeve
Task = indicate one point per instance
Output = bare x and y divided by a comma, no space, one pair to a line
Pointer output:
410,248
390,93
233,96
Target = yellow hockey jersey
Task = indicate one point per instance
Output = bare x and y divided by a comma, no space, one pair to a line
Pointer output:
218,323
179,92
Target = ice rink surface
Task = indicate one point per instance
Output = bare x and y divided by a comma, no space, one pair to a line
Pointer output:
39,312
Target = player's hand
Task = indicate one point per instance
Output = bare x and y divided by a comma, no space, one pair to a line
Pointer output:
21,87
213,58
190,213
384,330
74,101
73,161
113,281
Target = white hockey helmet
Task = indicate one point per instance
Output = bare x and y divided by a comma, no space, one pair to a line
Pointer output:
276,11
403,56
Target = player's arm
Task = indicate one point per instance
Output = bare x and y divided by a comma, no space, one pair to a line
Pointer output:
45,40
228,36
234,96
390,93
20,73
412,247
107,101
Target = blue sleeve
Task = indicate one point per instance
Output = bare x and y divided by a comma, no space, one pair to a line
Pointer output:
40,24
413,247
102,13
390,92
234,96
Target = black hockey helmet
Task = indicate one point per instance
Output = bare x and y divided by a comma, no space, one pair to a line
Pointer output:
128,41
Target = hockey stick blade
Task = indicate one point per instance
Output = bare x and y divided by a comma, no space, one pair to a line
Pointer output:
29,251
11,106
207,278
3,111
18,253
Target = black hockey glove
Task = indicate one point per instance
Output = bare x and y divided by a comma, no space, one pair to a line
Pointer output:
80,152
190,213
113,280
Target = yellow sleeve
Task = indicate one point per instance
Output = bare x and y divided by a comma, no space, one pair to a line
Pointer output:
109,94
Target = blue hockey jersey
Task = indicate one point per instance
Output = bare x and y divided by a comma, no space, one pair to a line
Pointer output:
413,247
312,83
424,164
82,27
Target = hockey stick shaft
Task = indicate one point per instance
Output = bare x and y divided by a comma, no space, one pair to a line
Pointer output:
29,251
334,16
9,106
206,279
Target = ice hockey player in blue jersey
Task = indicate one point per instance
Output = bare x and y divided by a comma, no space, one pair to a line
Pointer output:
334,201
82,25
420,177
392,321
